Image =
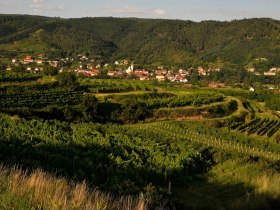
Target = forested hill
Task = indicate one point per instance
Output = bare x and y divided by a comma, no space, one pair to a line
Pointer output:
146,41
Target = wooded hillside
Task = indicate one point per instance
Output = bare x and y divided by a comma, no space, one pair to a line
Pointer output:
146,41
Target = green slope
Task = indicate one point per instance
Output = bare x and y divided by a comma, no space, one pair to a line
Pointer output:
149,41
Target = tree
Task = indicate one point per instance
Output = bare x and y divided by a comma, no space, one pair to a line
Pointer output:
132,110
19,68
49,70
67,79
2,66
90,105
67,114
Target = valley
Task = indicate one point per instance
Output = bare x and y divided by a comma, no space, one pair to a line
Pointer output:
131,113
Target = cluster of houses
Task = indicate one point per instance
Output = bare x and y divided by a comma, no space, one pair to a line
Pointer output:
122,69
141,74
33,64
271,72
160,73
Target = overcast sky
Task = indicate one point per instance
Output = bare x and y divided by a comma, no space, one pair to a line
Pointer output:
196,10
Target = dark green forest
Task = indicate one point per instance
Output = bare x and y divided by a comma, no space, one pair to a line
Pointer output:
149,41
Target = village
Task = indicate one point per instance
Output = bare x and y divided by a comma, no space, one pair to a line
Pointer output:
119,69
123,69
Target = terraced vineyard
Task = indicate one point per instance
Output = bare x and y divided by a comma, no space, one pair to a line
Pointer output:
259,126
40,99
177,131
115,86
100,140
159,100
17,77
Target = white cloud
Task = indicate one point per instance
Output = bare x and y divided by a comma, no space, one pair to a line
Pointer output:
160,12
37,6
131,10
134,11
37,1
40,6
55,8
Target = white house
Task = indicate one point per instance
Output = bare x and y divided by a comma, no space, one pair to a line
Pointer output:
130,69
251,69
160,77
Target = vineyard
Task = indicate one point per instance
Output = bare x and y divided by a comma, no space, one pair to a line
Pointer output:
38,99
184,131
251,107
271,98
114,86
108,156
18,77
134,143
259,126
220,109
159,100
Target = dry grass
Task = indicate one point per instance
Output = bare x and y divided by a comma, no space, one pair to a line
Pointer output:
264,180
46,192
268,184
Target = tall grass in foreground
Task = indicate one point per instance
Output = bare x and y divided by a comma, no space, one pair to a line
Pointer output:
39,190
263,178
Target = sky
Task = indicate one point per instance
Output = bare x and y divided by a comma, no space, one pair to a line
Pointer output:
196,10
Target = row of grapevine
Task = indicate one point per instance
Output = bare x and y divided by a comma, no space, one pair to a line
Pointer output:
160,100
114,86
254,127
177,133
273,129
94,152
18,77
40,99
217,110
258,126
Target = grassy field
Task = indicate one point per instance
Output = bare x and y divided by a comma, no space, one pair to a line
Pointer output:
38,190
238,183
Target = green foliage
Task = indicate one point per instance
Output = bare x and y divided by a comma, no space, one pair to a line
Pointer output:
269,97
138,158
152,195
40,98
90,104
159,100
17,77
200,133
67,79
260,96
274,103
108,156
132,110
258,126
49,70
167,42
114,86
223,109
